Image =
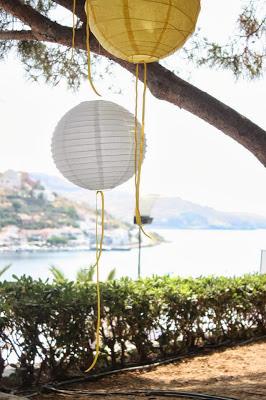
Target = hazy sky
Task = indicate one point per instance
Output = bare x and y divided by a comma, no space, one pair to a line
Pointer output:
185,157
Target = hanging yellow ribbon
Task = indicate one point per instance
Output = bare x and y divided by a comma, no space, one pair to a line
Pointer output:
73,28
88,49
138,160
98,256
136,127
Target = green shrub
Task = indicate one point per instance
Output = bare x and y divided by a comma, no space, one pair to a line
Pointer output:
53,325
57,240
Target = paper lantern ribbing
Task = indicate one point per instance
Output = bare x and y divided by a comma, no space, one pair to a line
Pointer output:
142,31
93,145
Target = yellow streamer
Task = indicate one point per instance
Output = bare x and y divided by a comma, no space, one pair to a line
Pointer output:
136,124
98,256
138,163
73,28
88,48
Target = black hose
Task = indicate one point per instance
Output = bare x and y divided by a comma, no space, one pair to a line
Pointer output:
147,392
152,364
143,392
100,375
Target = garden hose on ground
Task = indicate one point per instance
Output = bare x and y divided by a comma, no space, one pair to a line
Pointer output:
142,392
153,364
55,387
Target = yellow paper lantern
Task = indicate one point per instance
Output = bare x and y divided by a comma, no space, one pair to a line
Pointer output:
142,31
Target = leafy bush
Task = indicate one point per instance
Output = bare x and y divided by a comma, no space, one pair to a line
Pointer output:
8,216
50,327
57,240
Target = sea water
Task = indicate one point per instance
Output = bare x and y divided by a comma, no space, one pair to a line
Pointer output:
185,253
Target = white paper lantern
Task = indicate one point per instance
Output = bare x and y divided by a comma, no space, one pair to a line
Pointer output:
93,145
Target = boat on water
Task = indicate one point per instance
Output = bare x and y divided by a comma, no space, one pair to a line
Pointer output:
110,248
104,247
121,248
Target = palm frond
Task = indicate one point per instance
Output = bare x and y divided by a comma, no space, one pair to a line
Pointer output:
3,270
111,275
86,274
58,274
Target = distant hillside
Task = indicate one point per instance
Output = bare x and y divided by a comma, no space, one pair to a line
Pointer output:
32,206
34,217
30,212
54,183
168,212
178,213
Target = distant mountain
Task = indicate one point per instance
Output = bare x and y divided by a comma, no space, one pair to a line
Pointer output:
178,213
168,212
54,183
119,204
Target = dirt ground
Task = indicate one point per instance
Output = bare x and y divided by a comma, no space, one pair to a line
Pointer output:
239,373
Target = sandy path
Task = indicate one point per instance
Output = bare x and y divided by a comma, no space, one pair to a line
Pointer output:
239,372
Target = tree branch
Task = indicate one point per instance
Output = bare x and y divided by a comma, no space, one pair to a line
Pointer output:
165,85
42,26
68,4
17,35
162,83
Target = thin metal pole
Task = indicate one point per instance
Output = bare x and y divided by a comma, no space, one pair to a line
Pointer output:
261,258
139,253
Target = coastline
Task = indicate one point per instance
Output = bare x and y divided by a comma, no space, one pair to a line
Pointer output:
186,253
48,249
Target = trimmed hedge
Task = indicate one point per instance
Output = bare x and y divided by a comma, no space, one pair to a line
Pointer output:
50,328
